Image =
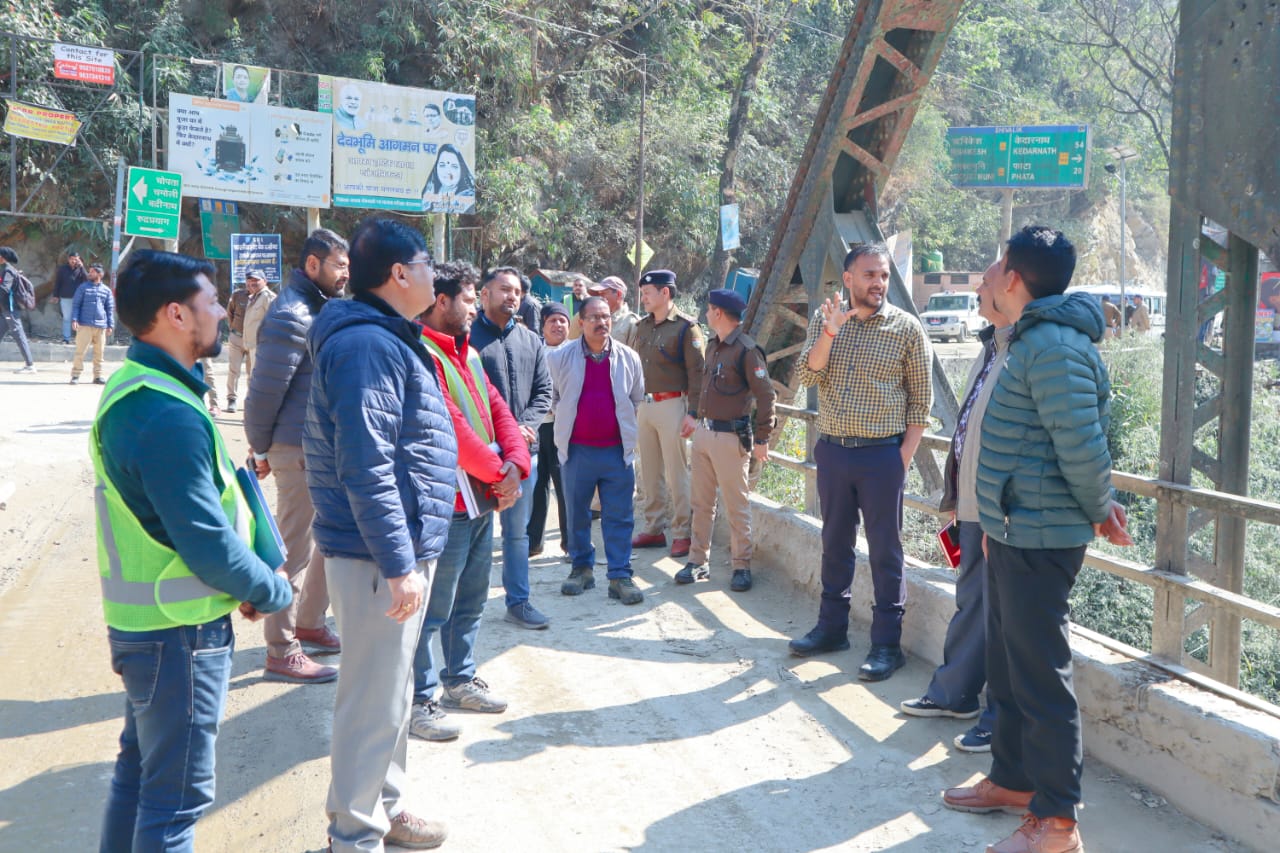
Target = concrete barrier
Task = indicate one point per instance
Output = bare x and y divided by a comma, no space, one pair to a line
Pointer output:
1213,758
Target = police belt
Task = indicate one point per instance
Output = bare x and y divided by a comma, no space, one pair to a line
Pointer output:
856,441
723,426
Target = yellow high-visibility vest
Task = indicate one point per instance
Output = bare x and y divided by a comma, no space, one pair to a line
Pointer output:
146,586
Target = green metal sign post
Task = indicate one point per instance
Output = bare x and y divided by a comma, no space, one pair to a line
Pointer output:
154,200
1031,158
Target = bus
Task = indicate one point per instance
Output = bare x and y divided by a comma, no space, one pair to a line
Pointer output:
1154,299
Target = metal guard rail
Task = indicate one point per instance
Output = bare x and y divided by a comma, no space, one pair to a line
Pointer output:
1185,586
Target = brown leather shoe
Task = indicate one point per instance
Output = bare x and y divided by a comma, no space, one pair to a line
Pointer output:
680,547
1042,835
650,540
415,833
322,640
986,796
297,668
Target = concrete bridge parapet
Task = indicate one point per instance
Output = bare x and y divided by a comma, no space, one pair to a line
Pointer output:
1213,758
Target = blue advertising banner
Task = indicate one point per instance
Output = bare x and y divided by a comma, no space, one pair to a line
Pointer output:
260,252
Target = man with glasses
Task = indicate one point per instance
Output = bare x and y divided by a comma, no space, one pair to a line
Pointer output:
380,464
598,386
274,412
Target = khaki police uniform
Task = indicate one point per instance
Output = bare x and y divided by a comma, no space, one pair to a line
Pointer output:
671,352
734,377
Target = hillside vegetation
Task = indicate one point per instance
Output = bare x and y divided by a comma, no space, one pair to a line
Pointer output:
730,90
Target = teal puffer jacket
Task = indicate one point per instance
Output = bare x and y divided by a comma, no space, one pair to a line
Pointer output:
1044,471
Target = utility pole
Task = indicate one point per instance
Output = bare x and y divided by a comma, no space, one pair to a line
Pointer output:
644,97
1121,154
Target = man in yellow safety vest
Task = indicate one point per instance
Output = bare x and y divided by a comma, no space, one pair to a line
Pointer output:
174,553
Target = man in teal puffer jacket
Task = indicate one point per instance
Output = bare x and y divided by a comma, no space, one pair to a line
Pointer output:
1044,491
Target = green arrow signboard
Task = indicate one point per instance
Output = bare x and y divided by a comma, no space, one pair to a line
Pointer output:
154,202
1030,157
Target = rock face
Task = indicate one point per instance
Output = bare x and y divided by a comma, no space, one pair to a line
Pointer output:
1146,259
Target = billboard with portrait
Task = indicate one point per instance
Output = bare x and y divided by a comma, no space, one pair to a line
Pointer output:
399,148
245,84
250,152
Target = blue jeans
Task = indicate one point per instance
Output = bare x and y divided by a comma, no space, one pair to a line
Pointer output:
66,305
515,541
175,683
459,589
587,469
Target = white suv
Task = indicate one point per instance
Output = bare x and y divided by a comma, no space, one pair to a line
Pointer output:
952,315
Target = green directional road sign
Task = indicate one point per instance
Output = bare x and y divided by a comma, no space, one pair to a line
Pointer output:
1033,157
153,205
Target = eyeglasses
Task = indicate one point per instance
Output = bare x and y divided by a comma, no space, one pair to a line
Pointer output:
426,261
596,318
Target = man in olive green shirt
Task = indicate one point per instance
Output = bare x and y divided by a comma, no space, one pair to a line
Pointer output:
670,346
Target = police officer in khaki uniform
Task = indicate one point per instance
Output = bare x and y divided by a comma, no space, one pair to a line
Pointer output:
735,374
670,348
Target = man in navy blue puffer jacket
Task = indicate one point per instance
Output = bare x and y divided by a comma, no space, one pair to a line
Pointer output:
1044,492
381,458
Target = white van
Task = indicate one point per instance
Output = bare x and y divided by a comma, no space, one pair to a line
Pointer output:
952,315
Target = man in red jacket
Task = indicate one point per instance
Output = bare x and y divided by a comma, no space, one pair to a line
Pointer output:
492,451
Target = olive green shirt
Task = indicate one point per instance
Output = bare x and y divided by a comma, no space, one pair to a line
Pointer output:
735,375
671,352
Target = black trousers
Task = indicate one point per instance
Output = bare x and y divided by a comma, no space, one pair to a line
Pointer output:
1037,744
548,473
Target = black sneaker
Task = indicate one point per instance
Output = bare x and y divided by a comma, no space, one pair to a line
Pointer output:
693,572
974,740
99,381
741,581
926,707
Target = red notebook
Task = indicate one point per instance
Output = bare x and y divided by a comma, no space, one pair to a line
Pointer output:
949,538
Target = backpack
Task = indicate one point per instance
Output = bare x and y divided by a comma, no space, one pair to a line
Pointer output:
24,295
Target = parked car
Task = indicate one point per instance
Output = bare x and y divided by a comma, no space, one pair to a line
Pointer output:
952,315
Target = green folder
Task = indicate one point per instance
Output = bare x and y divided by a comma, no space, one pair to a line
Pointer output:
267,541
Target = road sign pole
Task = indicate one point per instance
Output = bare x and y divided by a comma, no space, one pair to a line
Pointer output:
118,218
1006,219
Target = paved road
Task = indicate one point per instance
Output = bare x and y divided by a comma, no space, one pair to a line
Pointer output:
677,725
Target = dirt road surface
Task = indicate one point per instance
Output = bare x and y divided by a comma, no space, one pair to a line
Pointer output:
677,725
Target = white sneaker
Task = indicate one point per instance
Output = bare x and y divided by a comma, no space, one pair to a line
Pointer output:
30,368
231,405
473,695
428,722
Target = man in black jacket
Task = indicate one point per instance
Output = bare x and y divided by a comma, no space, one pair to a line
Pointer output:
515,362
67,280
274,411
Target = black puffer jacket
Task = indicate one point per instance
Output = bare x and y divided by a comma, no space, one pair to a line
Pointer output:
281,382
